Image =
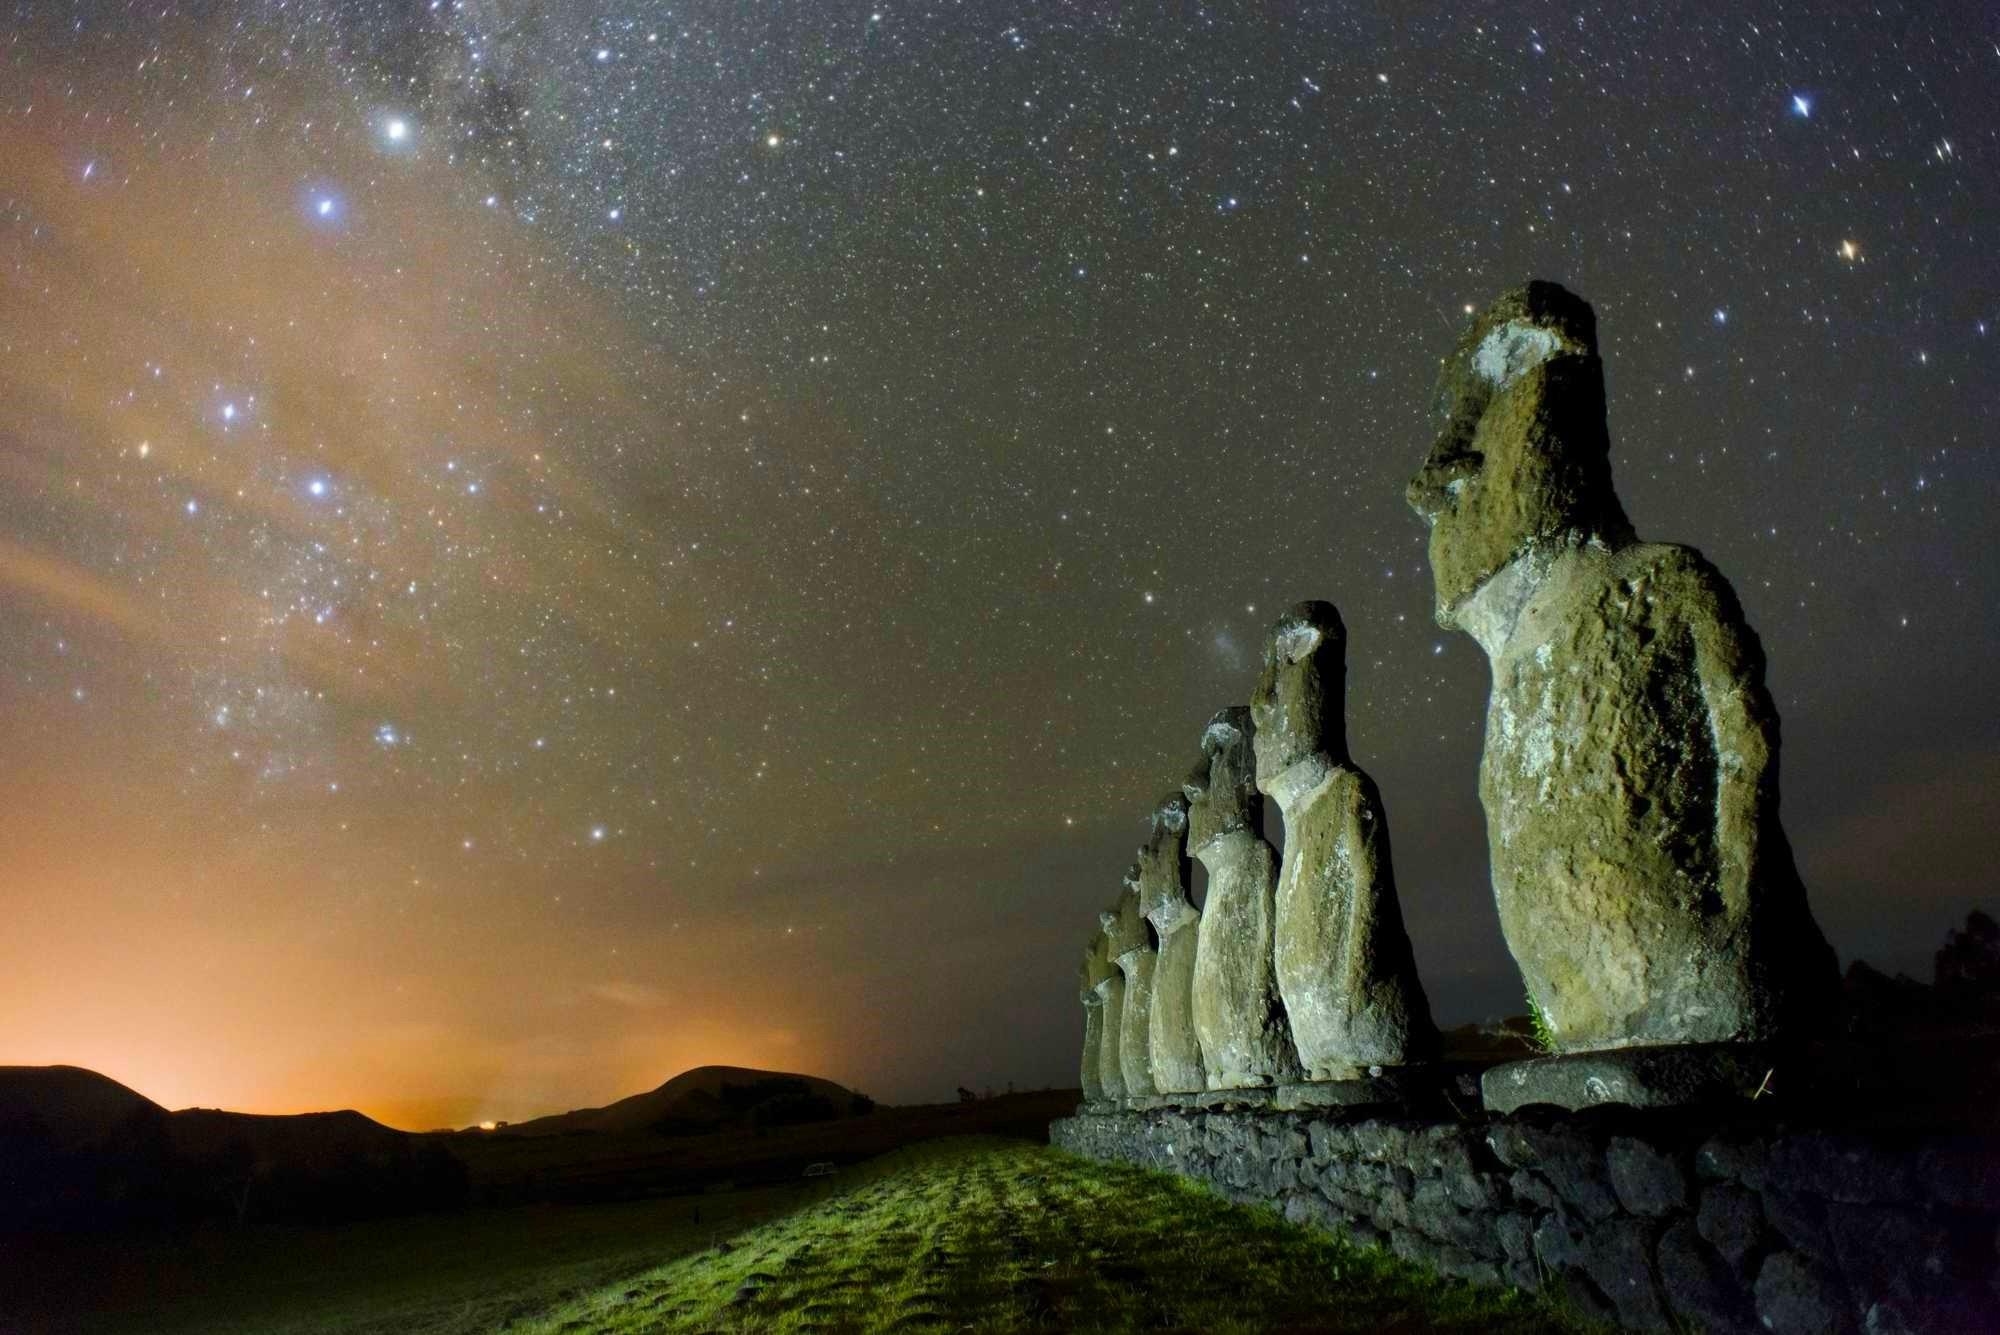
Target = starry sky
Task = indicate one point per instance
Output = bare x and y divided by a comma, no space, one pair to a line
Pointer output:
542,545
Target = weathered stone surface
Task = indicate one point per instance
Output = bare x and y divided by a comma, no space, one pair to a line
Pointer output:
1699,1287
1344,966
1647,1181
1883,1268
1644,1077
1239,1018
1095,970
1131,948
1163,899
1797,1296
1617,1255
1630,776
1565,1156
1842,1168
1731,1220
1111,1000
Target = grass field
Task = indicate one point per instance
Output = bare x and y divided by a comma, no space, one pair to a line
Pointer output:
451,1274
994,1236
958,1234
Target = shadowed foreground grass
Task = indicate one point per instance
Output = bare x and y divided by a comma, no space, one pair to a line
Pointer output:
994,1235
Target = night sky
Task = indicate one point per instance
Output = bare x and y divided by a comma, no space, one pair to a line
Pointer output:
542,545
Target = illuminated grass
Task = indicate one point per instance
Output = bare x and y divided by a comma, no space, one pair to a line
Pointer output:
990,1235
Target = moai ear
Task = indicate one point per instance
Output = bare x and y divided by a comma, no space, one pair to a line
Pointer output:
1512,350
1297,641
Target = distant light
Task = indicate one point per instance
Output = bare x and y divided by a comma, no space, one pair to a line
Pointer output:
386,735
193,507
1721,316
317,486
597,833
615,214
324,208
1801,105
489,1126
771,141
228,412
397,130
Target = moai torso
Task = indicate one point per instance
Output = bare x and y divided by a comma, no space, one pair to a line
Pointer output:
1111,1005
1163,898
1091,975
1131,946
1342,958
1239,1020
1630,776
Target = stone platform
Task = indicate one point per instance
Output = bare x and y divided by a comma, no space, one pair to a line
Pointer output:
1653,1220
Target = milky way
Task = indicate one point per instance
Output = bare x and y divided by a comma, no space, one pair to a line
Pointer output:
540,549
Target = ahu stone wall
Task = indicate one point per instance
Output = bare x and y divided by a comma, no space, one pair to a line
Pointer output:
1652,1221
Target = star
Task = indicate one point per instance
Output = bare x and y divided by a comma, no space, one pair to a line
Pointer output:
1801,105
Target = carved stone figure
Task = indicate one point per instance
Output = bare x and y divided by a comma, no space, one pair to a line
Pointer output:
1111,1002
1238,1017
1131,947
1343,960
1630,776
1095,969
1163,898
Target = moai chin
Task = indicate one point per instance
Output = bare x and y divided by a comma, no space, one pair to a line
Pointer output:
1343,960
1630,775
1239,1019
1095,970
1111,1001
1163,899
1131,947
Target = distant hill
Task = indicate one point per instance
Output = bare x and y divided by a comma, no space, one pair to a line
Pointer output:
79,1151
710,1098
67,1106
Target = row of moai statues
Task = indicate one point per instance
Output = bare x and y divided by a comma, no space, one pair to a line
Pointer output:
1630,782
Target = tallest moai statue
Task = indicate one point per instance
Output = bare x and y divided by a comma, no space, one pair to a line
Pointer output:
1630,776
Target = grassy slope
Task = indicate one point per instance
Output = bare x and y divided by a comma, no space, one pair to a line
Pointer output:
992,1235
451,1274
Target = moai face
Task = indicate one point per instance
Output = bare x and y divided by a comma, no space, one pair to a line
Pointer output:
1297,708
1523,453
1163,862
1124,926
1222,794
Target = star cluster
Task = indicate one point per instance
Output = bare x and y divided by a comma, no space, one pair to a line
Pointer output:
544,543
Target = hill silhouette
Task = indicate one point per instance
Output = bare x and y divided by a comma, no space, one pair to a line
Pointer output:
79,1151
66,1106
709,1098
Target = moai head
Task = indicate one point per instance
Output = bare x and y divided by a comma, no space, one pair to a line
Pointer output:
1523,455
1163,864
1125,928
1222,791
1300,698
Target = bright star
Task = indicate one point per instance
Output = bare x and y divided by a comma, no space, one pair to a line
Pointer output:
317,486
597,833
1801,105
397,130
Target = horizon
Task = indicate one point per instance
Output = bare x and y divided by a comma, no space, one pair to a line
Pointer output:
539,555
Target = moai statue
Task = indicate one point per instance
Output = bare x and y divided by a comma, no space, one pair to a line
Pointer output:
1111,1003
1630,776
1163,898
1238,1018
1131,947
1095,970
1344,966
